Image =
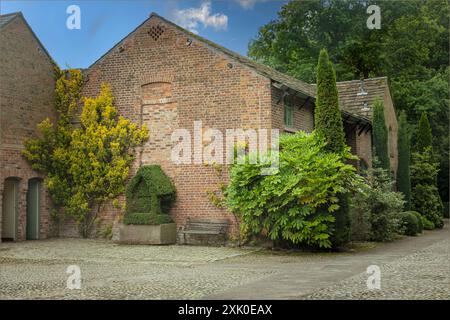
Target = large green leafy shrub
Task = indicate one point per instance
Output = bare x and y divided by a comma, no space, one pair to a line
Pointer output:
149,196
376,206
409,223
296,203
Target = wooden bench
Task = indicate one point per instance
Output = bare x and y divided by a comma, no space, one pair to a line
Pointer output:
204,231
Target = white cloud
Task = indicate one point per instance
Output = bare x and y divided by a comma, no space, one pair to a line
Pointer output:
191,18
248,4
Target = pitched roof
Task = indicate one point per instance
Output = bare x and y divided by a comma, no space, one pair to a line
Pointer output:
7,18
352,102
351,99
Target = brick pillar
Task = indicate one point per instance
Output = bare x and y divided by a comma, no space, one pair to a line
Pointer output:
22,219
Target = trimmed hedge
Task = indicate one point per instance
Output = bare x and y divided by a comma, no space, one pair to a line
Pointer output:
149,196
150,191
409,223
146,219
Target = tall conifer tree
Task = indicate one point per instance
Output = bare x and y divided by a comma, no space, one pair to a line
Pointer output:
404,156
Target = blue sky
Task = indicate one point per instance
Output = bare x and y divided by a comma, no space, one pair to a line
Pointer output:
231,23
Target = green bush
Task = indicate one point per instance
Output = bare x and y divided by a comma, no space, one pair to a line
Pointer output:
419,221
427,224
146,218
409,223
377,206
425,196
360,224
297,203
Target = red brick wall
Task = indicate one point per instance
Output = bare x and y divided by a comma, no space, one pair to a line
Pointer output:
26,98
364,146
303,114
168,84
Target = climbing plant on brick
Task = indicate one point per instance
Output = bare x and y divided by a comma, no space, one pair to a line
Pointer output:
100,155
88,165
46,153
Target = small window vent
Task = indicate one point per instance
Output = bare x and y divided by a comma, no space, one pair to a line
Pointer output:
156,32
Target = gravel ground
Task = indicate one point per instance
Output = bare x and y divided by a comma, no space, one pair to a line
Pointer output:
422,275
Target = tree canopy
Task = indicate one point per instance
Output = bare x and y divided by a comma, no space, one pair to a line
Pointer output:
411,48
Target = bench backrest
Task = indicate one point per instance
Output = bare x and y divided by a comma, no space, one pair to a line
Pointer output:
216,225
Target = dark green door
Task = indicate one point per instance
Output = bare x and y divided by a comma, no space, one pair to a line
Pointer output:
33,205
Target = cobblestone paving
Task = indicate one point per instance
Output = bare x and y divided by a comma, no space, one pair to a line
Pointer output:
37,269
422,275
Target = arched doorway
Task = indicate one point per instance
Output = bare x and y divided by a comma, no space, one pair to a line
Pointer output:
10,209
33,208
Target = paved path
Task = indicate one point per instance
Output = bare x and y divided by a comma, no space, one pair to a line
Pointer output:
413,267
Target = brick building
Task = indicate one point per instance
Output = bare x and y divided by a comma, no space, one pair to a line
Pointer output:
26,98
167,78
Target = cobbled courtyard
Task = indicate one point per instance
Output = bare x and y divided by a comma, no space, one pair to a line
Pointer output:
412,268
